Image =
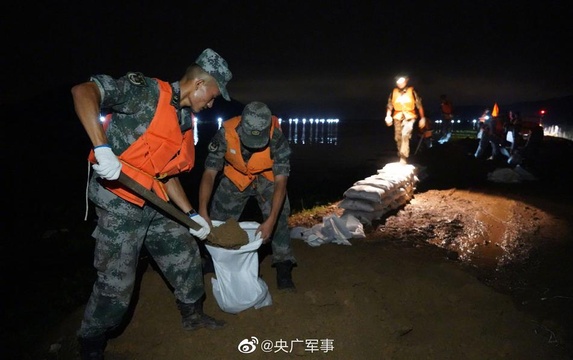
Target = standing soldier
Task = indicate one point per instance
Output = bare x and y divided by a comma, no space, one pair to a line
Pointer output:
403,108
254,156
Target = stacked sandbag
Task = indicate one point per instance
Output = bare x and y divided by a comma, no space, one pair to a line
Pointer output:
390,188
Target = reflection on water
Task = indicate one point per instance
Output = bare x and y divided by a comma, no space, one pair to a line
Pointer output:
298,131
311,131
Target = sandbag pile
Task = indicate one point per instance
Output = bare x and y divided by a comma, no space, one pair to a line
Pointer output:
333,229
369,199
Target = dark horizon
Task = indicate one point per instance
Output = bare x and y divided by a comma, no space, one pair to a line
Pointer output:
559,110
303,55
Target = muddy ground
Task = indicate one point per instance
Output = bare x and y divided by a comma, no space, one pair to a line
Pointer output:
468,269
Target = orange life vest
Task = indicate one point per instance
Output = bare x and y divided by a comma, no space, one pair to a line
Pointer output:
161,151
240,173
404,103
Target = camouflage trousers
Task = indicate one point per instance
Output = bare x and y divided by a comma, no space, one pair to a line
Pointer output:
402,135
229,202
118,244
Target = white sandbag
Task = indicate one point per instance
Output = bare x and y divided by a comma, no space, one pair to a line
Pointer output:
365,217
312,236
360,204
391,179
315,240
335,229
365,192
377,182
390,188
299,232
237,285
354,226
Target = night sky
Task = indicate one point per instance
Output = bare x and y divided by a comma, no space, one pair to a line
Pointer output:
303,58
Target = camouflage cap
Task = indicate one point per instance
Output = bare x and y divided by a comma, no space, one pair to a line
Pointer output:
255,125
217,67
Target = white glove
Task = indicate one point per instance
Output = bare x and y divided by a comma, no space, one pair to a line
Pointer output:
389,120
108,165
205,228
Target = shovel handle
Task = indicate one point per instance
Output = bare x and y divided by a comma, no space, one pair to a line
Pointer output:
159,202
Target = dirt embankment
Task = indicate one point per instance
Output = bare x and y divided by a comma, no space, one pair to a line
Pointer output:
466,270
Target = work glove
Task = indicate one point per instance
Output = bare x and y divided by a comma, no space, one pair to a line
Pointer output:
389,120
205,228
422,123
108,165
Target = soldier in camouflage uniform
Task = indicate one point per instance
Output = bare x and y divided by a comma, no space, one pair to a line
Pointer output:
404,106
125,222
254,156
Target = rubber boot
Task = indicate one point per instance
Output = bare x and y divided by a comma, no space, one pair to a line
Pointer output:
284,276
193,317
92,348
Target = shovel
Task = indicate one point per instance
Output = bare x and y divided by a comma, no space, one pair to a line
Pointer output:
419,143
170,209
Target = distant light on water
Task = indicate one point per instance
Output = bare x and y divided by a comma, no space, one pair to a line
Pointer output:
313,131
303,130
